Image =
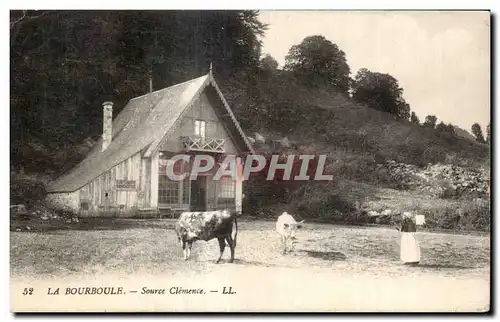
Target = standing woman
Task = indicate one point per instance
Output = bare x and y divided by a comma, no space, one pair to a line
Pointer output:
410,250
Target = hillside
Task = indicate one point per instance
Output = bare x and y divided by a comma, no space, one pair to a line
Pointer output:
279,106
361,144
463,133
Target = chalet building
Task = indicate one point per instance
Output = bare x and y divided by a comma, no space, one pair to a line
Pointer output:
125,173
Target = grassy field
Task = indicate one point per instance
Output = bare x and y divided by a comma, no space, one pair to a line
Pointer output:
325,253
132,245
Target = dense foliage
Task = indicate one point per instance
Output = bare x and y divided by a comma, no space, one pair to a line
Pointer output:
488,134
318,61
381,92
478,132
414,118
64,64
430,121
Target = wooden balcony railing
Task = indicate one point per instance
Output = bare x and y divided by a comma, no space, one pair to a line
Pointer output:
205,144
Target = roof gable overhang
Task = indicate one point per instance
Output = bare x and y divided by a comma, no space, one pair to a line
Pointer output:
246,147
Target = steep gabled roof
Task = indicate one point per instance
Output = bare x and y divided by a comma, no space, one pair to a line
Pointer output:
140,127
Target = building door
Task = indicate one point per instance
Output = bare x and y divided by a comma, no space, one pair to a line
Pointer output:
199,194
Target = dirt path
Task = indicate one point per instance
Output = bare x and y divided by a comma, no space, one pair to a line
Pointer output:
333,269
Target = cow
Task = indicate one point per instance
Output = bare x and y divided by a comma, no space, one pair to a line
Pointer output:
286,227
193,226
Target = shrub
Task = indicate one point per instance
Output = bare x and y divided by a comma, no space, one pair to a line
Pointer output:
26,191
480,216
467,216
334,209
448,193
446,189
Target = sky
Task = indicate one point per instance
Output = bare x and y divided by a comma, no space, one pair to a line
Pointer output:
441,59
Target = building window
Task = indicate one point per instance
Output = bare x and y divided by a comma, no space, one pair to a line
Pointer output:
84,206
226,192
199,128
226,187
168,190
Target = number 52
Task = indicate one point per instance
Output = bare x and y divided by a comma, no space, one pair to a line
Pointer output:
28,291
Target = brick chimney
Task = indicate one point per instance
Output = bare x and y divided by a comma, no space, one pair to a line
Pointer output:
107,128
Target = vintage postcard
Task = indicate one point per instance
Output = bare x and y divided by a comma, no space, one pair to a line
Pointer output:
250,161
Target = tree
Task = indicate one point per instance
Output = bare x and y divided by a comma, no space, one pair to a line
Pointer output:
381,92
478,133
430,121
19,17
445,128
414,118
404,112
318,61
488,134
64,64
441,127
450,129
268,63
